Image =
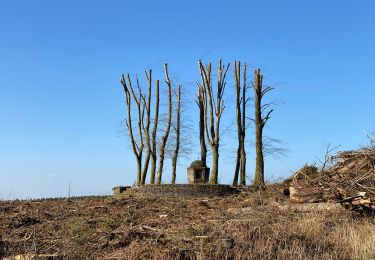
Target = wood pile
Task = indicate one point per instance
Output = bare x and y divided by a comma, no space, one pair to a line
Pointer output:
359,203
350,176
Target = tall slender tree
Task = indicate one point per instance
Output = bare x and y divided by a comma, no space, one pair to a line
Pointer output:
177,129
137,145
262,115
241,101
146,125
164,138
202,139
216,107
153,136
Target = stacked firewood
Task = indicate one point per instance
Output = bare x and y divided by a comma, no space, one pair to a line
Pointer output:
351,173
359,203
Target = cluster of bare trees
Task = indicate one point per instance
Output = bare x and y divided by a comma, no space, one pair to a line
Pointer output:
241,101
143,138
214,106
158,143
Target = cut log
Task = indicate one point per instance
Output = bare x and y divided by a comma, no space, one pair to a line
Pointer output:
308,207
306,194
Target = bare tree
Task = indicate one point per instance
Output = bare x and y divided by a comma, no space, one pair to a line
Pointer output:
241,101
153,136
179,141
202,140
177,130
137,146
274,147
164,138
216,108
260,120
146,126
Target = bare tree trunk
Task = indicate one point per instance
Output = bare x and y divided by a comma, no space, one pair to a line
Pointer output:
145,167
146,128
241,127
167,130
153,168
161,165
260,122
237,73
139,172
238,164
137,148
174,166
216,108
243,151
243,165
178,125
215,165
259,161
202,128
154,131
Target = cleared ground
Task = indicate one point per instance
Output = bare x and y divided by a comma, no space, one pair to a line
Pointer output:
246,226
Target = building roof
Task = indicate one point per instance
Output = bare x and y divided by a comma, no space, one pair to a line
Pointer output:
197,164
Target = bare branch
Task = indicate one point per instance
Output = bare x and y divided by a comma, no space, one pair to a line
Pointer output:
267,89
327,156
132,91
267,117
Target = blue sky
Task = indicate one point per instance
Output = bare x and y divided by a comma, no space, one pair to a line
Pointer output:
62,106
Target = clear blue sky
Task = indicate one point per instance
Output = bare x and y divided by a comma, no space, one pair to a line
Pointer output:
62,106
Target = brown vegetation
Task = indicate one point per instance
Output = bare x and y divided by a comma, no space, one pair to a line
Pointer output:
247,226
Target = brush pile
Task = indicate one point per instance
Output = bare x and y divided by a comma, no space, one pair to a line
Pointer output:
350,180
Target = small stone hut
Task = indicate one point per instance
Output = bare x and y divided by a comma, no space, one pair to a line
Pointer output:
198,172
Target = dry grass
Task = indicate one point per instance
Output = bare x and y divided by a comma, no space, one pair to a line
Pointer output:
175,228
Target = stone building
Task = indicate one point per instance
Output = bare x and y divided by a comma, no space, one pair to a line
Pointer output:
198,173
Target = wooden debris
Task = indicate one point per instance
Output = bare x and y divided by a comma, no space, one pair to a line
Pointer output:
359,203
347,180
300,194
308,207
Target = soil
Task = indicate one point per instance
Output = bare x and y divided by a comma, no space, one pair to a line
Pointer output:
242,226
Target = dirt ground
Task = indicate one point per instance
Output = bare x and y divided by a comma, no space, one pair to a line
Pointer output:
251,225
